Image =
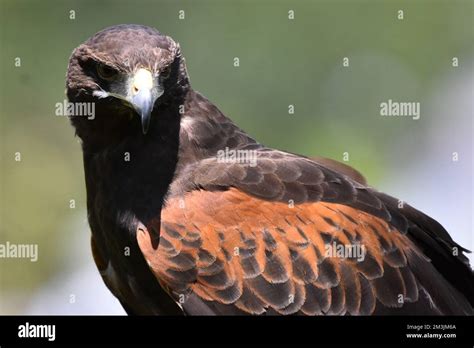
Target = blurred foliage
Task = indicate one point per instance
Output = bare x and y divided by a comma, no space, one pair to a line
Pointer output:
282,62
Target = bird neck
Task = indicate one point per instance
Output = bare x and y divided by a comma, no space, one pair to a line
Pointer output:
133,174
204,131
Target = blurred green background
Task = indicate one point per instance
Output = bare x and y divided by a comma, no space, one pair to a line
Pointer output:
282,62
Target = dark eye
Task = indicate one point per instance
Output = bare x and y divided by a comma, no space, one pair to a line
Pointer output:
106,72
165,72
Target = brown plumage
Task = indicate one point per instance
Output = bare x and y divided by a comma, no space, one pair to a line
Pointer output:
177,230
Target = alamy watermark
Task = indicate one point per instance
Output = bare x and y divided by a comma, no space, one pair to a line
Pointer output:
227,155
21,251
403,109
83,109
346,251
28,330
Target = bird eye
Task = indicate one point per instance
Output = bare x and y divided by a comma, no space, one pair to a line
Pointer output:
165,72
106,72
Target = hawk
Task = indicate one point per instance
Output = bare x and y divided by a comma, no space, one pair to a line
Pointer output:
177,229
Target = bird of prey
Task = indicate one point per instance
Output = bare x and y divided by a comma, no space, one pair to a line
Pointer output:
177,229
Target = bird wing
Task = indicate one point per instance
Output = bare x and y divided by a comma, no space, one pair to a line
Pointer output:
291,236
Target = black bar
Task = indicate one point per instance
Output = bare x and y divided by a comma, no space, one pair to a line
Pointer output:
240,330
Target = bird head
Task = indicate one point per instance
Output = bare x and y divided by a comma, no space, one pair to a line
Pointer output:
129,71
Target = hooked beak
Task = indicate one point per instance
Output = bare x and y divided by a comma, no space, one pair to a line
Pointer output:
145,91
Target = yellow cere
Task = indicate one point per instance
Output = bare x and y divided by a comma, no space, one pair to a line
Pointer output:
142,80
